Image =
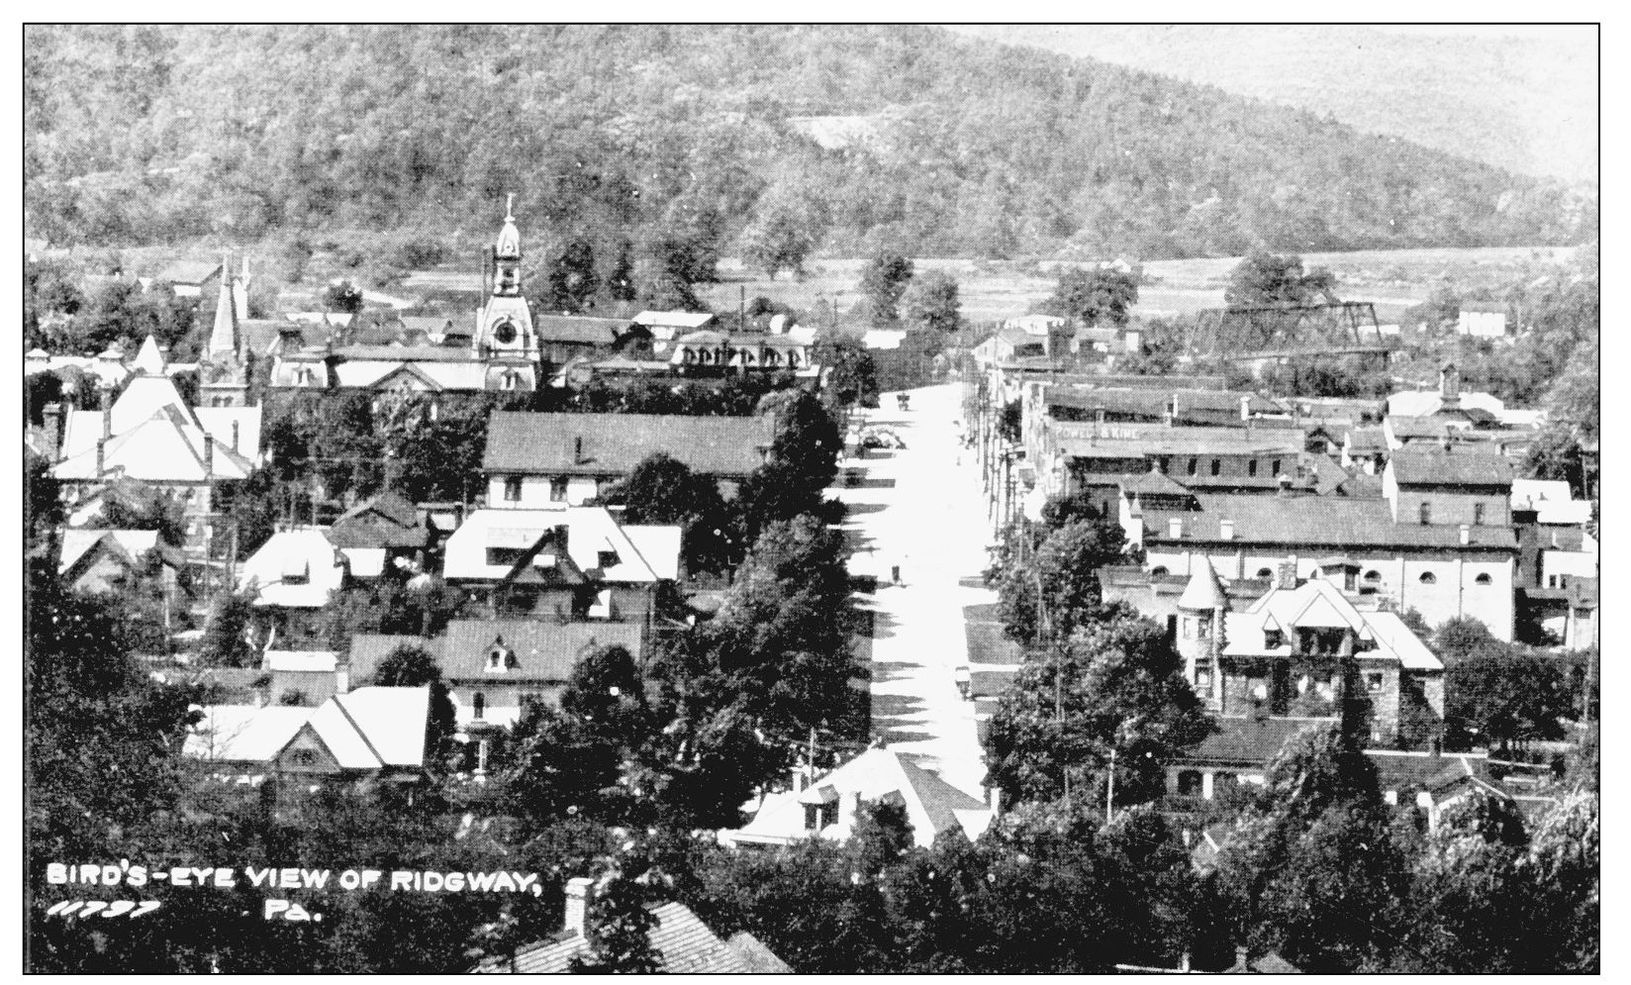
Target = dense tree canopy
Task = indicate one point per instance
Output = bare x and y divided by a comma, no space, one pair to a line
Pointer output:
1093,296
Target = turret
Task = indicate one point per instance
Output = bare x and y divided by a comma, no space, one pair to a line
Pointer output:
1200,639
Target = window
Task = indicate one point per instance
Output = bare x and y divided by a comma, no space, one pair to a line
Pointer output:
606,559
1203,627
557,489
1482,580
1275,467
1424,513
1216,466
1264,573
1273,639
510,380
1158,572
1192,465
1478,513
478,705
512,489
1251,468
1203,679
1373,576
303,757
1189,783
504,556
1428,578
1166,464
1373,683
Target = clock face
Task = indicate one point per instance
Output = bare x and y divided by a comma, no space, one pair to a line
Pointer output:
504,334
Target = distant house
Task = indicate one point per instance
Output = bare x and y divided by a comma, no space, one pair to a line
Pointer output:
830,806
495,667
190,278
150,435
571,563
293,575
309,675
379,534
563,337
714,353
535,461
368,736
1483,323
115,560
666,325
685,945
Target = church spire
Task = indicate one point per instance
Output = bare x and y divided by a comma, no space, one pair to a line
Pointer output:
224,336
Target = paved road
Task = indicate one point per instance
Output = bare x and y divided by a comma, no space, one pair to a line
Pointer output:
921,509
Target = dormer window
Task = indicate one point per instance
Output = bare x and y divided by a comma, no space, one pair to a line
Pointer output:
501,658
606,559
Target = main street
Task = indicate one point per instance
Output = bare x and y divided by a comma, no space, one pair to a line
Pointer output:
920,508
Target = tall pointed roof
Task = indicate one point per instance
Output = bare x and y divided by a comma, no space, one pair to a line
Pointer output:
1204,591
509,238
224,336
148,360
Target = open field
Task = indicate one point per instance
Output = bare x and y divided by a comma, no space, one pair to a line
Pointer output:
993,290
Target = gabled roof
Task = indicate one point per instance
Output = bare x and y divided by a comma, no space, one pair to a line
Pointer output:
387,520
1317,523
189,272
294,555
590,531
1252,741
674,319
932,805
546,650
685,943
366,730
613,444
1319,604
1152,483
578,329
1420,467
128,545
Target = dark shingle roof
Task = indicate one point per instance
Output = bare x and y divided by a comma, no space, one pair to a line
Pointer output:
1249,740
1336,523
613,444
387,520
685,943
368,650
1419,467
574,328
546,650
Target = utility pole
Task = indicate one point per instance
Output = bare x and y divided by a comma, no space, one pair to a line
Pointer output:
1110,791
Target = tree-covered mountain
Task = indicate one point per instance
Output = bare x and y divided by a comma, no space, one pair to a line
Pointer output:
1524,100
865,137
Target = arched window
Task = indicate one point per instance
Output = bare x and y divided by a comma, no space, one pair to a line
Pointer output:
1264,573
1428,578
1158,572
1373,576
478,705
1483,580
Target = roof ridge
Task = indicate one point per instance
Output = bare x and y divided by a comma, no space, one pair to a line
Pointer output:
339,703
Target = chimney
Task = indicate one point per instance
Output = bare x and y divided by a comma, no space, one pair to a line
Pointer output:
1226,529
1245,408
107,421
994,798
234,435
1466,534
1285,573
579,892
53,429
1240,957
342,677
577,450
1175,527
801,778
209,457
101,456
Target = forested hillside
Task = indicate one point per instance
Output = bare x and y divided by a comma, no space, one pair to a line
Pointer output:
636,134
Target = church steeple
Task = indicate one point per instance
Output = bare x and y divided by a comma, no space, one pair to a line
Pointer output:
504,325
224,336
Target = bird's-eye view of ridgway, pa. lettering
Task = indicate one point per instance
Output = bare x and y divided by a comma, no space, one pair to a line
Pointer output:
820,500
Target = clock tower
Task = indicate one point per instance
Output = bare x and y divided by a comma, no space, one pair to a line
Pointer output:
504,325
